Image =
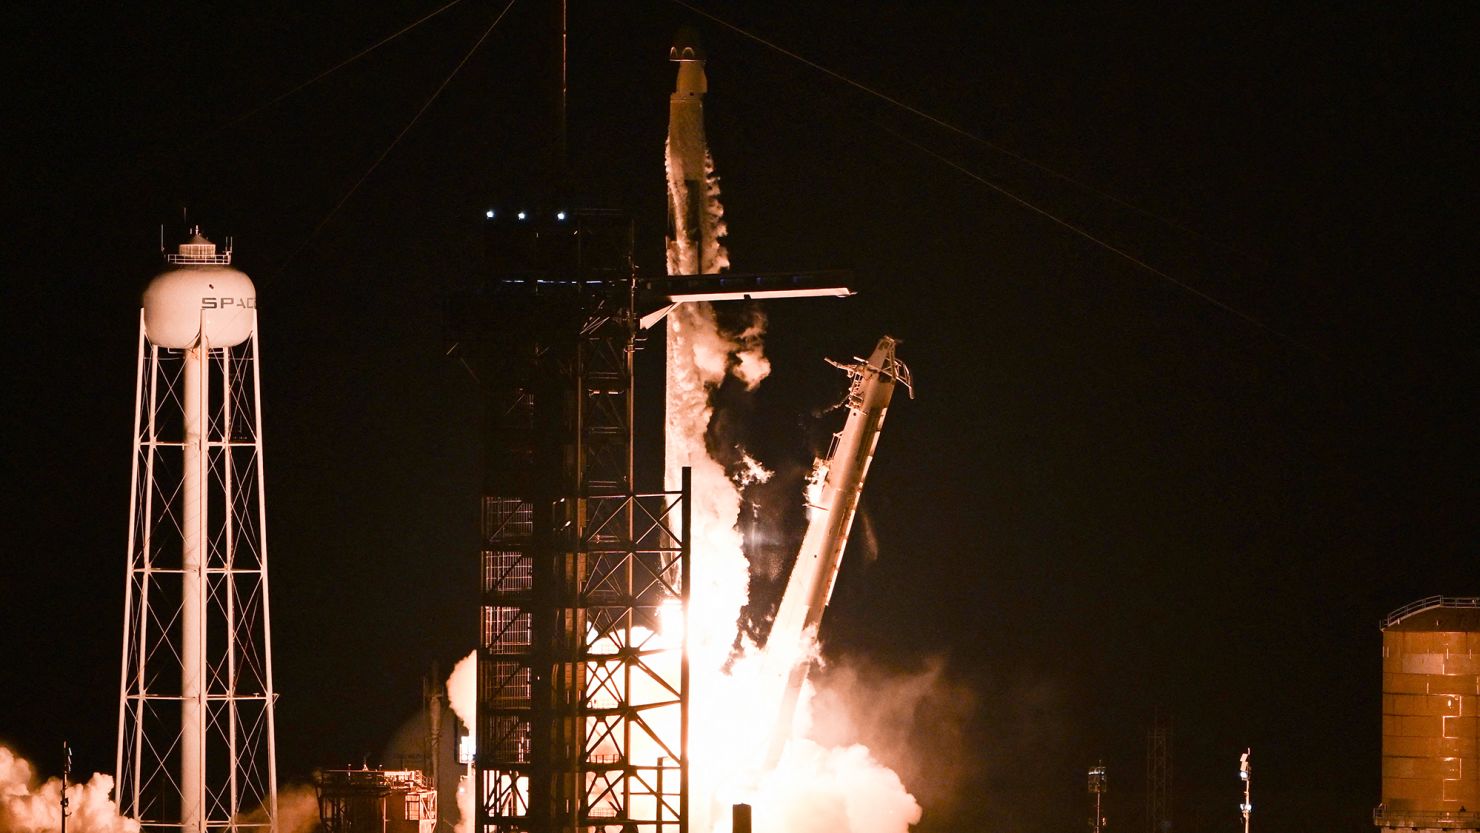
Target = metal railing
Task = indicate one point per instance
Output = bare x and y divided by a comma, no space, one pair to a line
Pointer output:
1428,604
215,259
1440,820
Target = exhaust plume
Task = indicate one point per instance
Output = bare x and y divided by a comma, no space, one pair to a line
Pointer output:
31,806
915,721
298,810
462,696
840,789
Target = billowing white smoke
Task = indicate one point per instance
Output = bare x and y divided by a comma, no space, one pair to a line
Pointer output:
298,810
462,689
816,789
711,256
29,806
462,696
716,258
834,786
915,718
812,788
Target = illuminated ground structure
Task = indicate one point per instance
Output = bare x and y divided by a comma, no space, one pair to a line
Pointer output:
195,705
376,801
1431,716
582,691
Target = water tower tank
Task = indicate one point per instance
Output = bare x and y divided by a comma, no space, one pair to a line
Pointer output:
1431,716
199,291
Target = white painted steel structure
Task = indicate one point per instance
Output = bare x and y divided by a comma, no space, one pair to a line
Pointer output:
832,494
196,745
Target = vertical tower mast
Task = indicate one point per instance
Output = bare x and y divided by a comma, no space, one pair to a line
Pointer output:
1098,786
1159,777
581,693
196,749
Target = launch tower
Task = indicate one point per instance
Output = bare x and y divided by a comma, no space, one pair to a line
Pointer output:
582,679
581,697
582,694
195,742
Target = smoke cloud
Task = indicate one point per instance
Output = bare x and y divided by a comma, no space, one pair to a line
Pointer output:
750,364
837,788
298,810
31,806
462,690
916,721
716,258
843,789
462,696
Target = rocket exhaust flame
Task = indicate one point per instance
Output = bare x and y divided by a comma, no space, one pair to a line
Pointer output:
806,787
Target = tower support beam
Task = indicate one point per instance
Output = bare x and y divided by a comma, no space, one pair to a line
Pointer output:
196,748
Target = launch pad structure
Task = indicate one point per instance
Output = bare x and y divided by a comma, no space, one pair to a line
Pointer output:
582,684
375,801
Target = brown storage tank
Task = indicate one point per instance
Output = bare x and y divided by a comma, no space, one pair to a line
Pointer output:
1431,716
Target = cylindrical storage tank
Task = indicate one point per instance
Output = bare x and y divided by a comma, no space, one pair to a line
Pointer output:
1431,716
740,819
199,291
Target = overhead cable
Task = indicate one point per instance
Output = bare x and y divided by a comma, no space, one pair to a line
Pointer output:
1076,229
957,129
399,136
341,65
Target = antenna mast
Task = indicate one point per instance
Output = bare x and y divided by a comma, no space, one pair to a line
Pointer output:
1098,786
1158,776
66,779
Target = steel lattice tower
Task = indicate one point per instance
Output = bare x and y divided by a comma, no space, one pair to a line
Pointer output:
582,682
1158,777
196,747
583,685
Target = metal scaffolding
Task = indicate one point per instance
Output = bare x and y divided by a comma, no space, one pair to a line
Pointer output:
582,688
582,666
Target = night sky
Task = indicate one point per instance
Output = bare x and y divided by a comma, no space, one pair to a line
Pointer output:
1112,498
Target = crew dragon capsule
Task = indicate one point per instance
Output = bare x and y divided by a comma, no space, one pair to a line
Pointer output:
692,243
833,491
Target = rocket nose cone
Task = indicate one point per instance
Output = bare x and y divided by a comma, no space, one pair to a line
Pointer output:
686,46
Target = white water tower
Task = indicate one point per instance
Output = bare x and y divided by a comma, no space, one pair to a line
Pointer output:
196,747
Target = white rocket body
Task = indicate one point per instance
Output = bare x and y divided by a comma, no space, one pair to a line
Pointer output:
693,248
697,361
688,153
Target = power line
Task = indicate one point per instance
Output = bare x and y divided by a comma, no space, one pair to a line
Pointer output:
1106,245
399,136
341,65
961,131
1078,230
126,167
